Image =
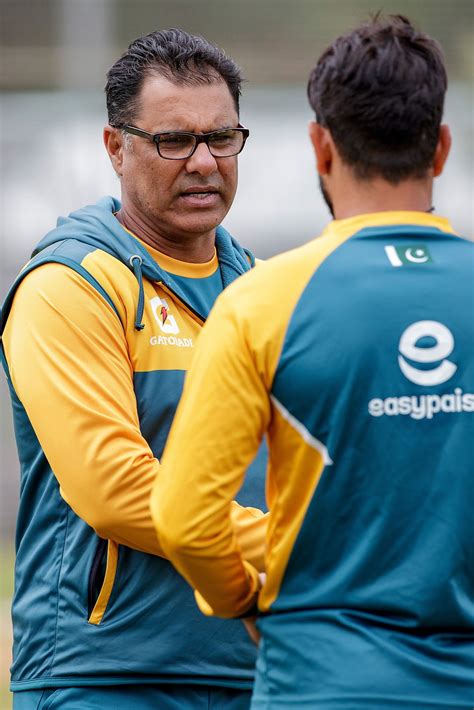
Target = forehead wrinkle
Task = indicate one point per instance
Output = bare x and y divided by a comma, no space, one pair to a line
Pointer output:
176,109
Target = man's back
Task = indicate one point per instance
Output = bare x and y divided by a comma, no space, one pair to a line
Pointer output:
376,368
355,356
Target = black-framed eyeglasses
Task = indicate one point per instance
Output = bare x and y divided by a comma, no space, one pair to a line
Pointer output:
179,145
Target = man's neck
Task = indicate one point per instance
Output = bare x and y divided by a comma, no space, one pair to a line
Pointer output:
196,249
365,197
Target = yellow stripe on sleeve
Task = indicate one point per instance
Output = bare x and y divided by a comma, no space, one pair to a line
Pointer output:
100,606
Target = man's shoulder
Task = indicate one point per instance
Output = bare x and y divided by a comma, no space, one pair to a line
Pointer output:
285,272
68,262
70,273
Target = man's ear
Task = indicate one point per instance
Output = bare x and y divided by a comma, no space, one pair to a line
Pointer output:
323,146
442,150
114,145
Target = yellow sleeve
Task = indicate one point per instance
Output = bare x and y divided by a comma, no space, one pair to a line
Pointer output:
223,415
70,368
250,525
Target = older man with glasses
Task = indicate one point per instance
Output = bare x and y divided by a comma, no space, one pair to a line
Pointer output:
98,332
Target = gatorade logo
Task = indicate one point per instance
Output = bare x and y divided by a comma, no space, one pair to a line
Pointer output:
439,347
165,320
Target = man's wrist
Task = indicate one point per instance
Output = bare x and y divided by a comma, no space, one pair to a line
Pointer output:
252,611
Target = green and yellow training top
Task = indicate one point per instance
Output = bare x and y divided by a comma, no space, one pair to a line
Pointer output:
353,355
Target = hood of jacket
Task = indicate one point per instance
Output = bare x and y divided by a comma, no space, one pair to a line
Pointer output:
97,226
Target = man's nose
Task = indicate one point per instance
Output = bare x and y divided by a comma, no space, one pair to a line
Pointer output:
201,161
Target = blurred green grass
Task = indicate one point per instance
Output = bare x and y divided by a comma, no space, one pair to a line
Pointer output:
7,557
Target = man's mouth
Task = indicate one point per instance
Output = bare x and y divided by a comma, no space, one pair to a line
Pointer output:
200,195
200,191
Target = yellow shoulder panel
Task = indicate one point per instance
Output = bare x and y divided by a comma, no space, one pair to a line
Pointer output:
264,298
116,279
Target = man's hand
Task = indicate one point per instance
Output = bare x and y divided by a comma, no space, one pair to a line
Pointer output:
250,623
252,629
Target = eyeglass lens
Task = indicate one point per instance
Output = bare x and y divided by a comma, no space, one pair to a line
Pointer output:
221,144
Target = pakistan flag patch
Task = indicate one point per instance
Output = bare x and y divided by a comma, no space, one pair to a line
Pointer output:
408,255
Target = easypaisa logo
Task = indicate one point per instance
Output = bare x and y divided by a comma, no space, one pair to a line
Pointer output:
425,406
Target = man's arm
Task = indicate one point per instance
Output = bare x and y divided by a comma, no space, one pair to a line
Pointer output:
70,367
250,526
219,425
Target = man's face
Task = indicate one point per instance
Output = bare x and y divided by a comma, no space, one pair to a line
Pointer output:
179,199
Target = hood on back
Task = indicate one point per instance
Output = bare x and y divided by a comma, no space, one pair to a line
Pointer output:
97,226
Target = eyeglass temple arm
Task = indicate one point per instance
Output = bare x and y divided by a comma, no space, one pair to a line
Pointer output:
139,132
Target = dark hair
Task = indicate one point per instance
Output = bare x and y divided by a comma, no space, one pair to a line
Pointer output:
178,56
380,91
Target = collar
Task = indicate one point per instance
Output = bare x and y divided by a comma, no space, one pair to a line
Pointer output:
351,225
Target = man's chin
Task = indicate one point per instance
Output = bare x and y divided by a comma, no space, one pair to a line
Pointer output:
197,225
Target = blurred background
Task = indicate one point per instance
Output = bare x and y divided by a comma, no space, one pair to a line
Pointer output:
54,57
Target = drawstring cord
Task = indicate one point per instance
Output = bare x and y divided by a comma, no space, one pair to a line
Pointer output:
228,275
136,264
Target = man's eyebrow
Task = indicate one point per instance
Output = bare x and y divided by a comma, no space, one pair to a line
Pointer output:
182,130
224,128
